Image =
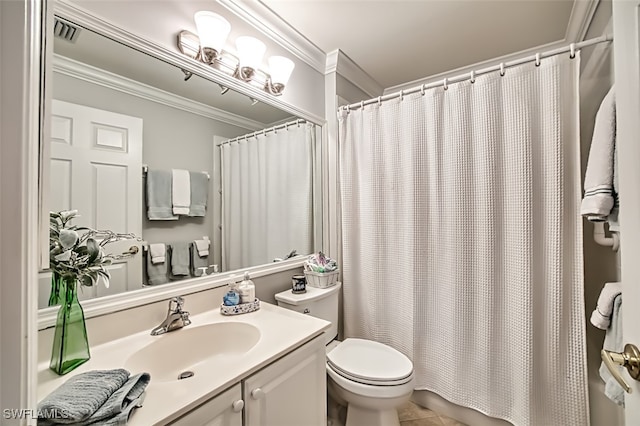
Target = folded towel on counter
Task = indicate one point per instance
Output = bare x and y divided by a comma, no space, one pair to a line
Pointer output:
156,273
179,259
599,191
613,342
180,191
199,193
198,261
159,204
601,315
94,397
157,252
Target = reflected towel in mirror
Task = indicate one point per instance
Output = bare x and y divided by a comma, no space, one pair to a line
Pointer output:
199,193
179,259
156,273
198,259
159,205
180,191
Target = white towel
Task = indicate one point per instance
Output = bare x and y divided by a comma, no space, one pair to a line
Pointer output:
599,190
601,316
613,342
181,191
203,247
157,252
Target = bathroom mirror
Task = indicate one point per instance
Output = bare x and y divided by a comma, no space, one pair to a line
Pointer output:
129,102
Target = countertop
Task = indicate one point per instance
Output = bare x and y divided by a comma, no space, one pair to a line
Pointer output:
281,331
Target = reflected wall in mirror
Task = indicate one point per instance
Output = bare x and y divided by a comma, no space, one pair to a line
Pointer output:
247,181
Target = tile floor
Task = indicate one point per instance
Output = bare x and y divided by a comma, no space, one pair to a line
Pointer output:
414,415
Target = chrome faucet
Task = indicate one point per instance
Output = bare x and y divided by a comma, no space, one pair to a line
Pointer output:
176,318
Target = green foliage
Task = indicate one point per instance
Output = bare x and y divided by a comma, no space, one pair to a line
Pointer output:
78,252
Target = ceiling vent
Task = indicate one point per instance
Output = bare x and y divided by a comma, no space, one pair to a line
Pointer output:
65,30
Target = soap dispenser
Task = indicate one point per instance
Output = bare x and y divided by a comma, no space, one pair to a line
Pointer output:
247,289
232,297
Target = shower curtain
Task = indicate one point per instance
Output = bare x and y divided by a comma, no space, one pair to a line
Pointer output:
267,196
462,240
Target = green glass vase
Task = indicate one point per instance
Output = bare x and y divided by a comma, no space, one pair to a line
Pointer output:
70,343
56,285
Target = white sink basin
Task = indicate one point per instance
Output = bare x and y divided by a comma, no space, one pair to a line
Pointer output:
188,348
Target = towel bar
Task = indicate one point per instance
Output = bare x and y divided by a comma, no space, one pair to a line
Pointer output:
600,237
145,170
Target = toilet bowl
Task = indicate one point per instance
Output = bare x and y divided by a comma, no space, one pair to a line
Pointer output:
369,378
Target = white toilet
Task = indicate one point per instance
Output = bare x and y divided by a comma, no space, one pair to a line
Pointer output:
371,379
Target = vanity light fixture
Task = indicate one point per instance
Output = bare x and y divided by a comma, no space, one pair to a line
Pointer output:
213,31
208,47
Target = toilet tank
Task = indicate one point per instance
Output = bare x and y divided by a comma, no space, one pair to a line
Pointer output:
319,302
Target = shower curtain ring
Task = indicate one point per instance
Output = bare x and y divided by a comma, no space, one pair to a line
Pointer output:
572,50
422,89
537,59
361,104
379,100
502,69
401,95
473,76
445,84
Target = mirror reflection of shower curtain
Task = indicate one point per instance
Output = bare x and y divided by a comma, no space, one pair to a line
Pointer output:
462,240
267,196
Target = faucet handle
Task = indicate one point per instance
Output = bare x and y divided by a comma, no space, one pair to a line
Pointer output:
185,318
176,304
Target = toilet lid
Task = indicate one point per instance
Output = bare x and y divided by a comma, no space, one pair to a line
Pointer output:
368,361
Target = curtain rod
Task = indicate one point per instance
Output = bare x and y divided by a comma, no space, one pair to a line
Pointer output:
265,131
572,48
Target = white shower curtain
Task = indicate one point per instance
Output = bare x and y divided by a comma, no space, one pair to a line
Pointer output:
267,196
462,243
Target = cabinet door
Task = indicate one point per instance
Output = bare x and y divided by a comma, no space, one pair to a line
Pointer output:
291,391
222,410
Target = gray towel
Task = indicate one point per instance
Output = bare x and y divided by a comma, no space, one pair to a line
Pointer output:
199,193
117,409
613,342
197,261
156,273
82,395
180,259
159,202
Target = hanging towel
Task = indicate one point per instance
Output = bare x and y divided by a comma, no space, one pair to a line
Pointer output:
198,260
613,342
599,192
179,259
157,252
203,246
199,193
180,191
77,399
601,315
156,273
159,205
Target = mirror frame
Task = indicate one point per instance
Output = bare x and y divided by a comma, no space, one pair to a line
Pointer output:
118,302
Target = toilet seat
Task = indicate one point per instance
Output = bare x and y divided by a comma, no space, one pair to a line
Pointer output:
370,363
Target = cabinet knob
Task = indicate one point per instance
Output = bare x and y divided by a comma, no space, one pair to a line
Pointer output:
238,405
257,393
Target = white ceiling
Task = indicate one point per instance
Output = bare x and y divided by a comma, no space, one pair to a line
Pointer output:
396,41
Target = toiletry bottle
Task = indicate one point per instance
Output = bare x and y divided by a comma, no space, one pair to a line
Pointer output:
232,297
247,289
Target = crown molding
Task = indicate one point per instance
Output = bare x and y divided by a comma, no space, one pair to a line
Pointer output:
581,15
277,29
339,62
75,69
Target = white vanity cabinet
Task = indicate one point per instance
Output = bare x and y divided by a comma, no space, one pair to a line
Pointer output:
290,391
223,410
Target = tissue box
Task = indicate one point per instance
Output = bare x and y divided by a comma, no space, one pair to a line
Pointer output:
321,279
